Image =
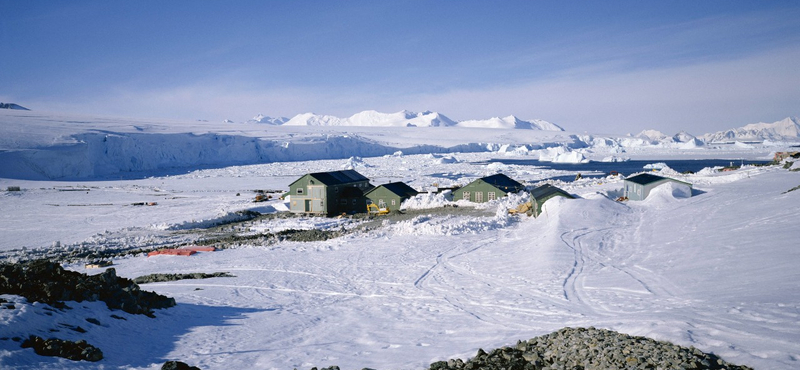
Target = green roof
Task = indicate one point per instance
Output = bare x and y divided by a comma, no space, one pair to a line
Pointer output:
503,182
648,178
337,177
398,188
547,191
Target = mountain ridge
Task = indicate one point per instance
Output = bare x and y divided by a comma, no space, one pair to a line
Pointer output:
788,127
406,118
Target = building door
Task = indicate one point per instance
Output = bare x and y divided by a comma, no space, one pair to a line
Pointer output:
317,198
308,205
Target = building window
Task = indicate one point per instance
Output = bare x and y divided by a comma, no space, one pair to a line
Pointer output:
344,202
479,196
335,189
466,195
394,201
299,190
355,202
491,196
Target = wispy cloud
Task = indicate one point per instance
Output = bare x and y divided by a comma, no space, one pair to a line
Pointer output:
712,95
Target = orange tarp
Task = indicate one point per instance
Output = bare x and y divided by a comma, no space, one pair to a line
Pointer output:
184,251
198,248
172,252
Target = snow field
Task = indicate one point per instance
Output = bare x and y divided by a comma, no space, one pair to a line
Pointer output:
715,271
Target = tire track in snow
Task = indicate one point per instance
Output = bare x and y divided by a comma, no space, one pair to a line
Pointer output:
569,285
442,263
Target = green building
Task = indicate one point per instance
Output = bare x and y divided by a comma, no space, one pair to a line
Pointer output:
329,193
542,193
639,187
488,188
390,196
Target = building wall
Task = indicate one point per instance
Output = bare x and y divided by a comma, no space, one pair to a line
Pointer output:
391,200
634,191
327,200
478,192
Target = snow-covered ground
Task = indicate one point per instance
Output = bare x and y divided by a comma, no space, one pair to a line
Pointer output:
716,270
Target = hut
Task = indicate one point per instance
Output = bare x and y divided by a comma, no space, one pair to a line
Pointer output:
488,188
638,187
329,193
390,196
542,193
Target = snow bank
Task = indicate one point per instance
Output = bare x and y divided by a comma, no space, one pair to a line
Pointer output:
206,223
449,225
668,192
427,200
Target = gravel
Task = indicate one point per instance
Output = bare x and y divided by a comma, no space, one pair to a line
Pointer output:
589,348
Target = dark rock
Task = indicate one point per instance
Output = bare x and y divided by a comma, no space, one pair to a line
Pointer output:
155,278
76,351
93,321
177,365
47,282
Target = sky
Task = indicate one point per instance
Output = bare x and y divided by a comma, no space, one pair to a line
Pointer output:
588,66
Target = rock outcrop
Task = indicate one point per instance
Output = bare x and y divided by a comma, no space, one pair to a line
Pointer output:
48,282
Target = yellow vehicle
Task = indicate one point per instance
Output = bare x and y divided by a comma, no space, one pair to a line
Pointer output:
373,209
522,208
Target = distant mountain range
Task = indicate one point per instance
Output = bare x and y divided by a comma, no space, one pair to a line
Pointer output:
12,106
405,119
785,129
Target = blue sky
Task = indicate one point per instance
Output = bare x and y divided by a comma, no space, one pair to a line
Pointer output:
601,67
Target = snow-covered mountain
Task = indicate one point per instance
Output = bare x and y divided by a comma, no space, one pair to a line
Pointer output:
511,122
683,137
785,129
374,118
413,119
12,106
653,136
260,118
